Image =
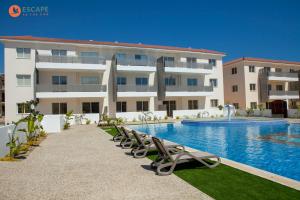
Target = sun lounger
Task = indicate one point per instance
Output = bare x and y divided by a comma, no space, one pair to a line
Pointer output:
166,162
145,144
120,135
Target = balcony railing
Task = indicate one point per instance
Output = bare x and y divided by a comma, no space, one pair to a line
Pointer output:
283,93
283,74
189,88
134,62
188,65
136,88
71,88
71,59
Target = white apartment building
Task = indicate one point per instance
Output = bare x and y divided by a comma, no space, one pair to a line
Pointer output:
118,79
249,82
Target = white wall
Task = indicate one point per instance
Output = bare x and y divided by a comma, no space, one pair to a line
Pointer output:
5,132
215,112
131,116
53,123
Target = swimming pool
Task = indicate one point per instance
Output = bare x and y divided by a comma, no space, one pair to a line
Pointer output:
274,148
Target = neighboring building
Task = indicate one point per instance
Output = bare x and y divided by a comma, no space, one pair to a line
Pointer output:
2,91
108,77
274,84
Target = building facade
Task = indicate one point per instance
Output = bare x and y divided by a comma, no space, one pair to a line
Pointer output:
271,84
118,79
2,90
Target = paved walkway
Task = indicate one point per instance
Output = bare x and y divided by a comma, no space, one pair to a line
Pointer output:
83,163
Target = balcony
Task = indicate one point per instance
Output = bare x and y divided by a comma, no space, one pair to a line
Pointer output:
282,76
136,91
280,95
70,62
70,91
184,67
189,90
131,64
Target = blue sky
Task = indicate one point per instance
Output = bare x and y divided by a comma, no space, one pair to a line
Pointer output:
267,29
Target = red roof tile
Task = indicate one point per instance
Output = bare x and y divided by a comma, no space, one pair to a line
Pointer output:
261,60
120,44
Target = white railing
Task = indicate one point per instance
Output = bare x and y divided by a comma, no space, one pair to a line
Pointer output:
136,88
71,88
71,59
175,88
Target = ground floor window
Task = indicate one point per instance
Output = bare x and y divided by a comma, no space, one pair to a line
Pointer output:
23,108
253,105
214,103
236,105
142,106
121,106
59,108
90,107
193,104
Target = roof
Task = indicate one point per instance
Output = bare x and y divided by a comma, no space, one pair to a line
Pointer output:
263,60
117,44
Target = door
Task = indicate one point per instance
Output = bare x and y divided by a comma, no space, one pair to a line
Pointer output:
278,107
170,106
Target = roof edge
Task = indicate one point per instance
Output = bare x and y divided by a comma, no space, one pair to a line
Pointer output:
263,60
120,44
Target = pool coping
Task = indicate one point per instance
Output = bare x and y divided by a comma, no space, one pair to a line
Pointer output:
251,170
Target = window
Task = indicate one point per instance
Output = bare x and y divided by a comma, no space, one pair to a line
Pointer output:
278,70
140,57
267,69
234,70
141,81
59,108
59,80
169,61
170,81
23,108
236,105
269,87
192,82
58,52
89,57
121,80
23,80
279,87
142,106
90,107
191,61
213,82
193,104
121,106
214,103
90,80
89,54
252,87
292,70
235,88
251,68
23,52
212,62
253,105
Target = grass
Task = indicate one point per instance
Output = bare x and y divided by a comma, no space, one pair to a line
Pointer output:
227,183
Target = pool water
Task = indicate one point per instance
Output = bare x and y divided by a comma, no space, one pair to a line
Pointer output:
274,148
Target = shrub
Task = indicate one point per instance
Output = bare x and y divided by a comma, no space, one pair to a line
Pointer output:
166,117
88,121
68,117
177,117
220,107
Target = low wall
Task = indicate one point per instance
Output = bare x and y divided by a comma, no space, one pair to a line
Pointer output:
93,117
53,123
293,113
131,116
5,132
194,113
257,113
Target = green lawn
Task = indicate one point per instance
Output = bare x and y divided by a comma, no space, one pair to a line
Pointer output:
224,182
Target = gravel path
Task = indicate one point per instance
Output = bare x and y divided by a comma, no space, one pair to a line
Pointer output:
83,163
